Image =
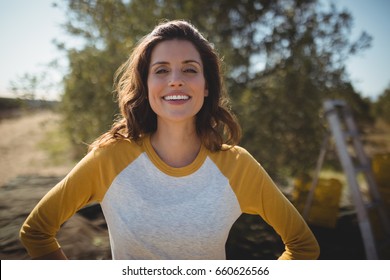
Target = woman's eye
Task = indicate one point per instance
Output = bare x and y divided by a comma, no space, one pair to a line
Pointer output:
190,70
161,71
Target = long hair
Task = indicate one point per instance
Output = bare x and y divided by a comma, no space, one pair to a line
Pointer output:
215,123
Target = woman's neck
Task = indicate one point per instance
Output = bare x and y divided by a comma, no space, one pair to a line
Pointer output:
176,144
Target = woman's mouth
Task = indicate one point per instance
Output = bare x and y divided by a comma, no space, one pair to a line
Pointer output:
179,97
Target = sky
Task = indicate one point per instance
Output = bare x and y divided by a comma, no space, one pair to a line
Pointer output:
28,28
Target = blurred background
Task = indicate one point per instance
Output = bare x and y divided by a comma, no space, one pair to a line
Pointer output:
282,59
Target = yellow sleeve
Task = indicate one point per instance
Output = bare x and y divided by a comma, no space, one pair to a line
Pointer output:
257,194
86,183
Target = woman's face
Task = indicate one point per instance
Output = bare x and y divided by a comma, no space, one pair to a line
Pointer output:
176,82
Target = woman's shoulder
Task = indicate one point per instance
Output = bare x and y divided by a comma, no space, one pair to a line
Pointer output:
236,163
118,147
230,153
235,150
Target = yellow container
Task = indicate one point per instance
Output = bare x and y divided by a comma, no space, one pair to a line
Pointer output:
324,209
381,168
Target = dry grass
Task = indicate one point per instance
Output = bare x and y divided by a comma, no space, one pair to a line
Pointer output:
22,152
377,138
34,158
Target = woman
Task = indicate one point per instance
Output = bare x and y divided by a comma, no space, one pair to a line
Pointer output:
169,176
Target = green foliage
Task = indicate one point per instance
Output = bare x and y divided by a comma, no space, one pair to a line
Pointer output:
57,145
382,106
88,103
282,58
26,86
281,105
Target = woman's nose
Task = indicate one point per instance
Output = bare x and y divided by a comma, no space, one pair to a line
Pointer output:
176,79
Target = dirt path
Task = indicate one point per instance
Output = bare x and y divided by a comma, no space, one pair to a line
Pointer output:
19,146
27,172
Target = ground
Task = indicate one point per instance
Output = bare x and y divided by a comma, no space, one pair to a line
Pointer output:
27,172
20,141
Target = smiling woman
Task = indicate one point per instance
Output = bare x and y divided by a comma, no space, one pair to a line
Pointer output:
169,175
176,78
173,55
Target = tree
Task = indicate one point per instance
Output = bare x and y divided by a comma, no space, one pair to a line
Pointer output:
282,58
88,103
382,106
26,86
110,30
305,54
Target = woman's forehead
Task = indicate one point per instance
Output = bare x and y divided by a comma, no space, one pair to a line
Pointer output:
175,50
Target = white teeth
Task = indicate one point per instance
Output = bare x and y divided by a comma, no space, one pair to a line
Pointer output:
176,97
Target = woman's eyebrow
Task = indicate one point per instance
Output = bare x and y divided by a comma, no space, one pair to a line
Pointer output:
159,63
191,61
184,62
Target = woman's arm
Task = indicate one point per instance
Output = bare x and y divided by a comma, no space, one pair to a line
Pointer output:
258,194
79,188
278,211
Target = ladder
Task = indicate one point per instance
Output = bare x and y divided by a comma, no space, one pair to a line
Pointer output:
343,129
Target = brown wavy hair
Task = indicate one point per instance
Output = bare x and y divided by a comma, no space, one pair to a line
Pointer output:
215,123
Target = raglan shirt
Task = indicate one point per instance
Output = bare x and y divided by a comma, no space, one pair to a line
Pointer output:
154,211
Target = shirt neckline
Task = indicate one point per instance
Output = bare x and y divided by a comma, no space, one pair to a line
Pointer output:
174,171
